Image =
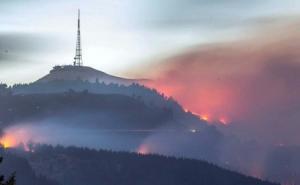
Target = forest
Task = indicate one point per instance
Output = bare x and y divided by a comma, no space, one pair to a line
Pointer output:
76,166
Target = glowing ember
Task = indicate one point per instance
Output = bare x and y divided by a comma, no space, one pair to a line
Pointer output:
204,117
186,110
207,118
223,120
143,150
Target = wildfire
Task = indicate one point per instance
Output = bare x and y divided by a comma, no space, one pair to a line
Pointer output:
211,102
204,117
223,120
8,141
210,118
143,150
15,137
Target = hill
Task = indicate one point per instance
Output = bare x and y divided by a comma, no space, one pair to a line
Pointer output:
119,117
147,95
111,121
102,109
84,73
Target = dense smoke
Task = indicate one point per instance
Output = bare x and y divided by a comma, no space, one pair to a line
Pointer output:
253,84
68,132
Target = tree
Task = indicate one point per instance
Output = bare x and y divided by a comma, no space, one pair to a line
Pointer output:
10,181
3,88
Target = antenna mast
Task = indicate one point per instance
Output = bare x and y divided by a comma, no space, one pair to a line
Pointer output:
78,54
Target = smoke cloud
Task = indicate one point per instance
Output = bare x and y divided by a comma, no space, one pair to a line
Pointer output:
253,84
67,135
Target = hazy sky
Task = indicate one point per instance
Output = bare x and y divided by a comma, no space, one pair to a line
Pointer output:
120,34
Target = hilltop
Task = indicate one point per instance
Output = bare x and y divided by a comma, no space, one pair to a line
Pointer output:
84,73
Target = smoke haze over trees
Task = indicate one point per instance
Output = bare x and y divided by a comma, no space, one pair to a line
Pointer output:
126,118
70,165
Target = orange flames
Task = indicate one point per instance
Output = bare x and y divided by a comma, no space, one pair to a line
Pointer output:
8,141
204,117
210,102
15,137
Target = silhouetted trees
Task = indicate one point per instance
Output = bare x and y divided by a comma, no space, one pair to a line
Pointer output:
4,90
10,181
79,166
20,171
141,92
128,112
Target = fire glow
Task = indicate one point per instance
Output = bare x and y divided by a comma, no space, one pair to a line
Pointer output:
205,117
14,137
224,121
8,141
207,102
236,86
143,150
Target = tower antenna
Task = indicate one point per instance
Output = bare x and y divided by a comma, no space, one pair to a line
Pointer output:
78,52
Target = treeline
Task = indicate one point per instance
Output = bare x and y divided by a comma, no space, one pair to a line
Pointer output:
149,96
17,171
78,166
134,103
105,110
